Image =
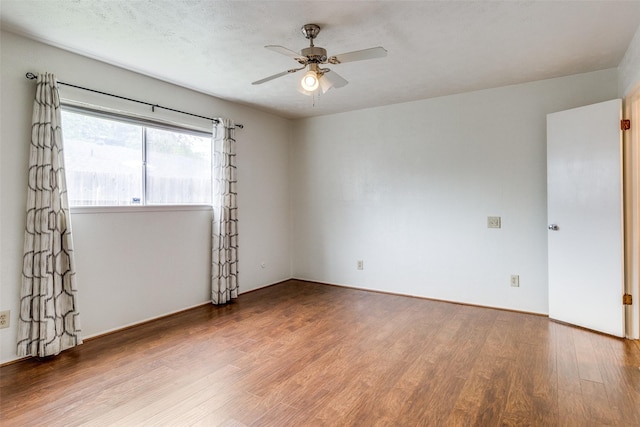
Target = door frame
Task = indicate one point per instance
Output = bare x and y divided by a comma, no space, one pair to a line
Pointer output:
631,183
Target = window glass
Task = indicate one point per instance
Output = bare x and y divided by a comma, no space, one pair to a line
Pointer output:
103,160
178,168
111,162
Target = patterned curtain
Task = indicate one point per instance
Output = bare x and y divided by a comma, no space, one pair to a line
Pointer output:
224,238
48,320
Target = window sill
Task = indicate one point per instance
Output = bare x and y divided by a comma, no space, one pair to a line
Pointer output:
137,209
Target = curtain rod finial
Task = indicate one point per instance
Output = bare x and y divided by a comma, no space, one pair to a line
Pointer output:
31,76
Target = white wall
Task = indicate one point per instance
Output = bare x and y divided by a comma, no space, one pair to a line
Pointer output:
407,188
136,266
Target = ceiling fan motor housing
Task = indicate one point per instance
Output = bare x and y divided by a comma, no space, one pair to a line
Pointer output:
315,54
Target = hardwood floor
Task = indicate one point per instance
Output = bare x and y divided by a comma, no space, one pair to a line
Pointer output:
304,354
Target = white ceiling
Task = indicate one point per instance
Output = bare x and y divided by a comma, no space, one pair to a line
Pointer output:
434,48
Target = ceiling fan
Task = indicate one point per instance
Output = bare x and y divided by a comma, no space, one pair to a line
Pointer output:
314,57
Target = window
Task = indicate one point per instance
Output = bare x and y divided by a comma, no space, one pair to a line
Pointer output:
113,161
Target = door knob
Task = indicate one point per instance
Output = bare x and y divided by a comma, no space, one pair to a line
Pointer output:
553,227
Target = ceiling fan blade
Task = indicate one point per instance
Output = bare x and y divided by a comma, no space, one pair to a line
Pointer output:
275,76
287,52
359,55
334,78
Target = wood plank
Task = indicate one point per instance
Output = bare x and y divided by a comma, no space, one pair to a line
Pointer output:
571,409
567,363
587,363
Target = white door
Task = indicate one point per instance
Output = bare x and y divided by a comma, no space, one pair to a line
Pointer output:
584,211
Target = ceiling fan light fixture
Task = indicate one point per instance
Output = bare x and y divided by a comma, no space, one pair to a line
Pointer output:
310,81
325,84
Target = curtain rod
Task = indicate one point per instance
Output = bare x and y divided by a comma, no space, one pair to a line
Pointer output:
32,76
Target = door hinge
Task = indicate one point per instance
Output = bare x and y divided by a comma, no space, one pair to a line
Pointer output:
625,124
626,299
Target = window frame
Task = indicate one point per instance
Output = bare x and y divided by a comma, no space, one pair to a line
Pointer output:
144,123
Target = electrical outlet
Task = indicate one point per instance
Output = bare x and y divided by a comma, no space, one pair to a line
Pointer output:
4,318
515,281
360,265
494,222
